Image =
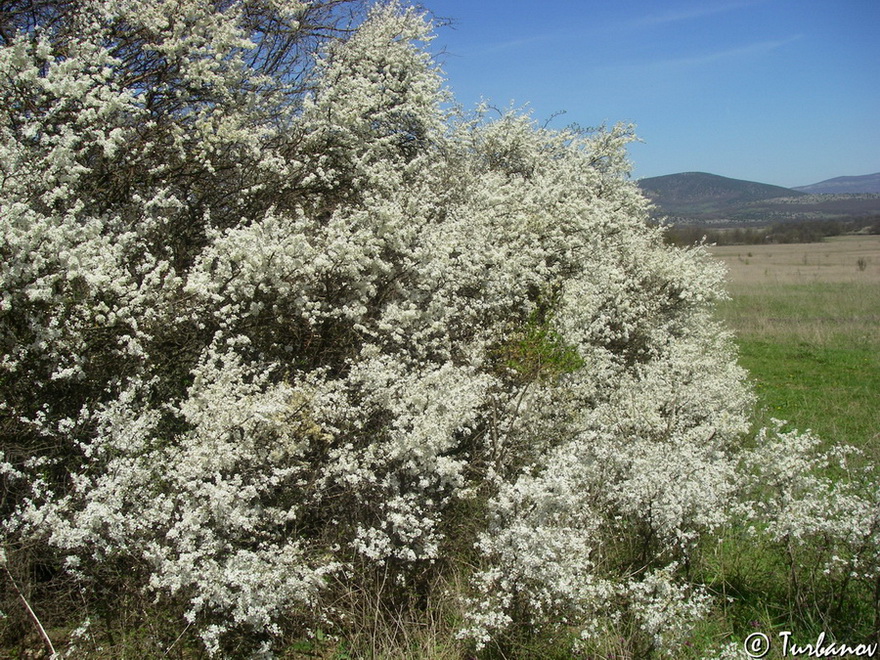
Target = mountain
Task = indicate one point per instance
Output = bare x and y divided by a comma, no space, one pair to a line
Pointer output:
698,194
869,183
699,198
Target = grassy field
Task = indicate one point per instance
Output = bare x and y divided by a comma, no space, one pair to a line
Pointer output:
807,320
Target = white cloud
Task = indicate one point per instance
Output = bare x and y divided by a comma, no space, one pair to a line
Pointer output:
691,13
673,64
514,43
748,50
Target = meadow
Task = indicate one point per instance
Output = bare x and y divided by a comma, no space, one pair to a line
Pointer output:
807,322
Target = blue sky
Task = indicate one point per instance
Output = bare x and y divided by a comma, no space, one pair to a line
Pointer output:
778,91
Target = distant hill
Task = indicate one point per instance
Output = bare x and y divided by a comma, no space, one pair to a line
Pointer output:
699,194
699,198
869,183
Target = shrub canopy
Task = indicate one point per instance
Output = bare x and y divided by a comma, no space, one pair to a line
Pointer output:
281,326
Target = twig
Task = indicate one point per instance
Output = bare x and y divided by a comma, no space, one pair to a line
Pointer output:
174,643
27,606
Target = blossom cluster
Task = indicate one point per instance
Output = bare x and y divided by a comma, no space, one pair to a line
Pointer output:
821,507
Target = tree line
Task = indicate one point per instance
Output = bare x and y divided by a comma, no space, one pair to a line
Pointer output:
811,231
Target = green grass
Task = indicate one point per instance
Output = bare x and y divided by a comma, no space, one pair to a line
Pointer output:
813,352
833,391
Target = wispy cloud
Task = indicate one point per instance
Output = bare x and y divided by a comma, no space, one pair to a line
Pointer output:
749,50
691,13
514,44
689,62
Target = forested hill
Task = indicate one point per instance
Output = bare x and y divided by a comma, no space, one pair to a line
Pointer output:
702,194
699,198
868,183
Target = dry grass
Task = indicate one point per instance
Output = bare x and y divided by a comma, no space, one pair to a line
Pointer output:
807,321
838,260
820,314
825,294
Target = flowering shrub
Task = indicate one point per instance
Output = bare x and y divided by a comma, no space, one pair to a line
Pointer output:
279,332
822,510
